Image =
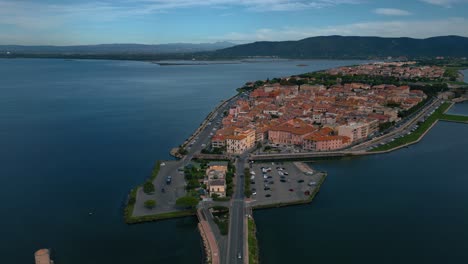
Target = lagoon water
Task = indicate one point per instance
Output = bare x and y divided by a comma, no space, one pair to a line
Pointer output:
408,206
75,136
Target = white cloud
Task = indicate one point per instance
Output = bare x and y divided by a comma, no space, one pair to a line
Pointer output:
444,3
26,14
252,5
392,12
414,29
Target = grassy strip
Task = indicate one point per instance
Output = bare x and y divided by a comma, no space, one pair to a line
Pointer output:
156,217
128,210
252,240
454,118
423,127
221,219
298,202
247,190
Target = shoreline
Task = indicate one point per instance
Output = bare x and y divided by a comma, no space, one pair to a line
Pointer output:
251,249
299,157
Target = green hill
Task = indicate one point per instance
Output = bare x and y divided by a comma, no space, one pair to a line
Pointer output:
352,47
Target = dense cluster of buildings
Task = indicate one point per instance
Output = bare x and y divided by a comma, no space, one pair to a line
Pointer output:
312,117
215,179
401,70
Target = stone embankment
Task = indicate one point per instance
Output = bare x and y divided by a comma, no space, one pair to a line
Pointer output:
209,241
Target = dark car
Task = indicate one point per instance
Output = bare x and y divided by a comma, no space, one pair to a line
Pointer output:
282,180
163,190
300,181
268,195
271,182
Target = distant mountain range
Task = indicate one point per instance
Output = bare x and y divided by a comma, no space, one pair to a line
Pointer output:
326,47
117,48
352,47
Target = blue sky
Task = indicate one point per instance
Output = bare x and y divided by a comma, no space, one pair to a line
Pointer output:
68,22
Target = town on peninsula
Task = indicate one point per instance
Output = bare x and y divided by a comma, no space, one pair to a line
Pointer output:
251,151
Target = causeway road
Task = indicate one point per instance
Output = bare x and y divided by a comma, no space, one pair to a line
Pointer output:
236,235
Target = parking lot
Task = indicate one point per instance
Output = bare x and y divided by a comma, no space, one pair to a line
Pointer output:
281,182
165,199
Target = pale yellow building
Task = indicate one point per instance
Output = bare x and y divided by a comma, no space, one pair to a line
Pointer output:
217,187
221,166
358,131
240,141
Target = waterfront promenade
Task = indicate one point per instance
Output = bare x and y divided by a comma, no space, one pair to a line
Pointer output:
234,247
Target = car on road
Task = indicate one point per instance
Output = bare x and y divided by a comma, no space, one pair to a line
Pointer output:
291,190
254,193
168,179
300,181
239,255
282,180
312,183
267,195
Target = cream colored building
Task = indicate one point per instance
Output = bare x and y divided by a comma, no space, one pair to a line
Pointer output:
216,178
217,187
218,166
240,141
358,131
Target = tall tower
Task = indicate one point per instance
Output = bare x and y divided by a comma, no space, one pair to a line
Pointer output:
42,256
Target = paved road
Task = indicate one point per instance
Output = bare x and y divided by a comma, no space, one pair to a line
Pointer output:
236,222
403,128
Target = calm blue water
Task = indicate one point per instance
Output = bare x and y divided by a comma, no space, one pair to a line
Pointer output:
75,136
459,109
408,206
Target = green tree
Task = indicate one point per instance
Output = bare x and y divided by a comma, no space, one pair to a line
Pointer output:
182,151
150,204
148,187
187,202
